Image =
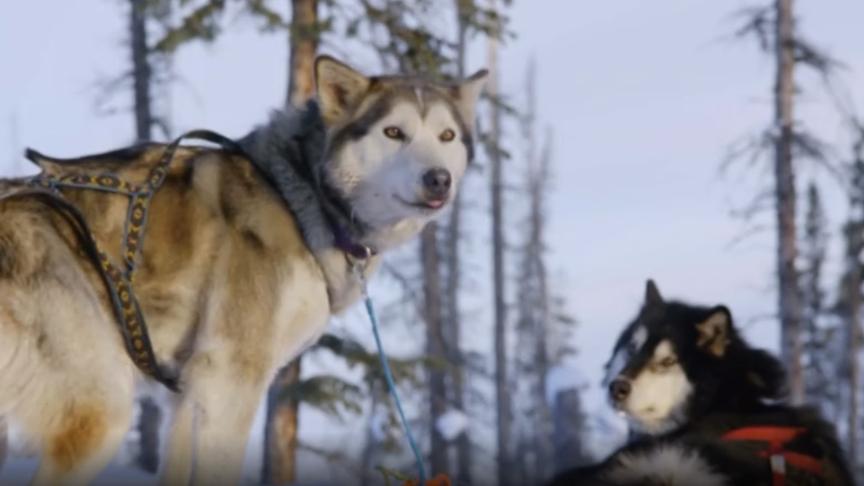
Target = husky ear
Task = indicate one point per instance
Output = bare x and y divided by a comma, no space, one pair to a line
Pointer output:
715,332
467,93
652,294
339,88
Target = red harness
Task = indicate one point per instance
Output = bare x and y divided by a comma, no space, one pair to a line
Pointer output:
776,437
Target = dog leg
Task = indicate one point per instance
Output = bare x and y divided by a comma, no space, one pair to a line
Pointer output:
82,441
212,425
257,316
177,459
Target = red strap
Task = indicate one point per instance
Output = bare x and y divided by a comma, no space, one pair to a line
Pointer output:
777,437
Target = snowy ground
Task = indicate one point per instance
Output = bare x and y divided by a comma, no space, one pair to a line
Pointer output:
20,471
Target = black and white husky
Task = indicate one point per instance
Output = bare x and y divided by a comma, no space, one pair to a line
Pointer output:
706,409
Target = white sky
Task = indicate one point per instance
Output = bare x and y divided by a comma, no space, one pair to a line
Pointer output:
644,98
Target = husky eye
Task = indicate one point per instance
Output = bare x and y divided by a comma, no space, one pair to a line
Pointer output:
394,132
447,135
668,362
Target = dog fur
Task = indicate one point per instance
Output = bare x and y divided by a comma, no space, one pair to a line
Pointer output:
684,377
238,274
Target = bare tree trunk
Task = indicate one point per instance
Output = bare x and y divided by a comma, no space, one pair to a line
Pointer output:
855,335
787,252
4,442
280,431
141,71
854,342
142,74
303,44
434,343
454,275
533,294
543,438
281,428
502,391
852,301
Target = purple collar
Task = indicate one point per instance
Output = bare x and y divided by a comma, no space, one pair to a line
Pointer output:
344,242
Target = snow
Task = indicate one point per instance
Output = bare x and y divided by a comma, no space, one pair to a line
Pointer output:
378,424
21,470
452,423
563,377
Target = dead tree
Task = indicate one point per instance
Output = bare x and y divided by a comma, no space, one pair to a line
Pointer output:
141,70
302,49
499,306
282,426
851,298
789,294
532,417
150,416
818,334
4,442
789,143
453,272
430,258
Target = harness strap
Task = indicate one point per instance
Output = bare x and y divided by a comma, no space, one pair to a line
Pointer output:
123,302
118,283
777,437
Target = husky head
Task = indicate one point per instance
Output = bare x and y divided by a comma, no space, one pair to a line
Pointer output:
675,362
397,146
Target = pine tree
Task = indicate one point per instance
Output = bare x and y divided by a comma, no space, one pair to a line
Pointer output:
141,70
454,235
818,333
543,327
499,305
435,346
850,301
533,305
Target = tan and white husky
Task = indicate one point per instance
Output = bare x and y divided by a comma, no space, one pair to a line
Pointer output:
243,262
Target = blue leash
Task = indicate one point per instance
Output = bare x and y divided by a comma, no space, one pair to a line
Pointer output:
388,375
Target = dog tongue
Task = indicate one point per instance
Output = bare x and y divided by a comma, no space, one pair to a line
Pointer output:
435,203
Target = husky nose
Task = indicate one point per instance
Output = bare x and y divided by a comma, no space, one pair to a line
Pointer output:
437,182
619,389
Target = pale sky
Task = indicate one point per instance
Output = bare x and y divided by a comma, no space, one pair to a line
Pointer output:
644,99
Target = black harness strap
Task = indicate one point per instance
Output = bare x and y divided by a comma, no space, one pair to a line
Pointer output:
118,283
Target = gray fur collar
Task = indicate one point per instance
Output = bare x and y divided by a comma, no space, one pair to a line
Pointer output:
290,151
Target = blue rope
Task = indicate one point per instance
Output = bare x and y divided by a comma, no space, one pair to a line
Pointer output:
391,384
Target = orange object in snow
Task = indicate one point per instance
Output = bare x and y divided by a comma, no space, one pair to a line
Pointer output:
439,480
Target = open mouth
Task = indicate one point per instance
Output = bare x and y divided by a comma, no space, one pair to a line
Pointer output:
429,204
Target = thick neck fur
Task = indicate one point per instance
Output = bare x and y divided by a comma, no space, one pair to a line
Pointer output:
742,381
290,152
